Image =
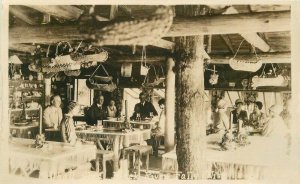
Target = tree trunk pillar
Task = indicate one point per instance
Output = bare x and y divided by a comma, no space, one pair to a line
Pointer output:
190,107
170,107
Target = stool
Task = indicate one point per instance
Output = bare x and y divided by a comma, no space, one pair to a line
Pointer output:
138,150
106,156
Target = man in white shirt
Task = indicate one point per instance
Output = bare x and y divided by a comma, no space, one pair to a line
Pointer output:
53,114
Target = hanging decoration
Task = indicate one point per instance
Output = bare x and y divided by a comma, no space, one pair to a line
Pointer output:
140,31
269,79
144,67
245,65
157,80
126,69
73,61
102,83
72,72
214,77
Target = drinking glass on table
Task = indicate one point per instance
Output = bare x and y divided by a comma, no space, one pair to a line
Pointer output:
151,115
138,117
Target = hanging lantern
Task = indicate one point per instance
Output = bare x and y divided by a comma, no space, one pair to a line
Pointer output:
126,69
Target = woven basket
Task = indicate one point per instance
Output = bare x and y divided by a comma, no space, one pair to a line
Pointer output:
142,31
94,82
102,87
72,73
278,81
61,63
245,65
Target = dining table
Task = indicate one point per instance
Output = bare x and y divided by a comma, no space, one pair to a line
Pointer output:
252,161
143,124
117,138
51,160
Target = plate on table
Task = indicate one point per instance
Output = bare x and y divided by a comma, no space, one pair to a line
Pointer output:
112,129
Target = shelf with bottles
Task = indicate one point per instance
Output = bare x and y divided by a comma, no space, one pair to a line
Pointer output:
27,109
13,82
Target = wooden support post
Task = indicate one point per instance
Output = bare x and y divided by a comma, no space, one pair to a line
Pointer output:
170,107
190,107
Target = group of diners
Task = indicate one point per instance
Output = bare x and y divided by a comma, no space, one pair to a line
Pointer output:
54,118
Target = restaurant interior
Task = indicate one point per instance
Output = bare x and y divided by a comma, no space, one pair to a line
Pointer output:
149,92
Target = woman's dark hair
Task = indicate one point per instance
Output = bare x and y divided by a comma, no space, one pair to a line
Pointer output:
161,101
259,105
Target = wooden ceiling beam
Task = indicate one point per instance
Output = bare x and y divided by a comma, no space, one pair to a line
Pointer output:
221,24
274,57
23,13
227,42
62,11
232,23
251,38
22,48
165,44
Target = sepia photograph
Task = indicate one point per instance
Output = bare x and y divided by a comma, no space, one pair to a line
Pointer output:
147,92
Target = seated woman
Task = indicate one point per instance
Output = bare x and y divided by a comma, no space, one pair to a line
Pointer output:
275,129
67,124
221,122
112,109
257,117
158,132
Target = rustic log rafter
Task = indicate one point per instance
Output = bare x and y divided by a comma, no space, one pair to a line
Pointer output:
227,42
23,14
275,57
66,12
22,48
284,57
250,22
252,38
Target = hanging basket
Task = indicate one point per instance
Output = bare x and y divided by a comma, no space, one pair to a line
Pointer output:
262,80
100,82
102,87
278,81
158,80
141,31
72,73
61,63
245,65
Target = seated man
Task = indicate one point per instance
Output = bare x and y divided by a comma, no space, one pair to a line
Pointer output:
53,114
239,116
97,111
143,109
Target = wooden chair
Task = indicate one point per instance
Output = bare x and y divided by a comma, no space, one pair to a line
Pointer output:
106,156
139,151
